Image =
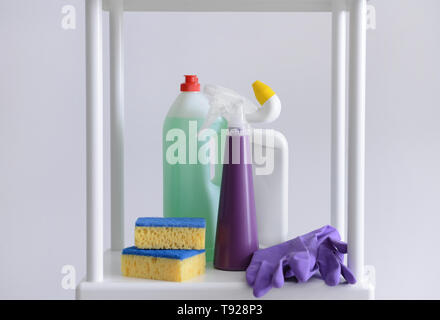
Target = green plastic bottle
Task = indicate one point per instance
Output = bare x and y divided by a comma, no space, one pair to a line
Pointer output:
188,187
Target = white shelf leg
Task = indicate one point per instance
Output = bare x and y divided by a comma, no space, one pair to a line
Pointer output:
95,140
356,147
117,124
338,134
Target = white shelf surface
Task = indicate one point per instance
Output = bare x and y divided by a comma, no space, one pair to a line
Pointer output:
225,5
215,285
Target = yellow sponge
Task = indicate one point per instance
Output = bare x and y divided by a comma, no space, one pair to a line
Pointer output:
170,233
169,265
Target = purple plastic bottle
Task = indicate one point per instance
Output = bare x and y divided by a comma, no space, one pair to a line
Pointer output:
236,237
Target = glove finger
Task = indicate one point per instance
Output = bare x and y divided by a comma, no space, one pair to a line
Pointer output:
263,280
347,274
278,275
329,266
332,276
251,272
340,246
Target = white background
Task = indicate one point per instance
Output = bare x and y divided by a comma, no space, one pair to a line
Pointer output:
42,129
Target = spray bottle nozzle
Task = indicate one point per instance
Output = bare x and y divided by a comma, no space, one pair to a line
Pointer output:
228,104
238,110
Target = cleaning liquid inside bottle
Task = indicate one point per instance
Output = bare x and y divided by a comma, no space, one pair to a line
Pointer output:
236,238
188,191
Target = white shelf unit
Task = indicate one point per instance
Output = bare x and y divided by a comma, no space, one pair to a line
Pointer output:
103,279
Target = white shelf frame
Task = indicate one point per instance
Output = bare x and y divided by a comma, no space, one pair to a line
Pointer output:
356,30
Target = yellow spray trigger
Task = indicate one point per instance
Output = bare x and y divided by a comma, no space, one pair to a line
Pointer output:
262,91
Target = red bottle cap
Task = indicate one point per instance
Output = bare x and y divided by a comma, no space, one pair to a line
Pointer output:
191,83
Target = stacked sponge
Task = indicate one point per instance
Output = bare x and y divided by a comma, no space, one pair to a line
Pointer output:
171,249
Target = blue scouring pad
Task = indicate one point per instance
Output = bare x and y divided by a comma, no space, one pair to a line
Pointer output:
168,254
171,222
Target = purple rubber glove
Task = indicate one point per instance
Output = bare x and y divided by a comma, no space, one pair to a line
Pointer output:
320,250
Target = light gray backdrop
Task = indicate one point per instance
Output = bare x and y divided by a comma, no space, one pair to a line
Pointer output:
42,129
